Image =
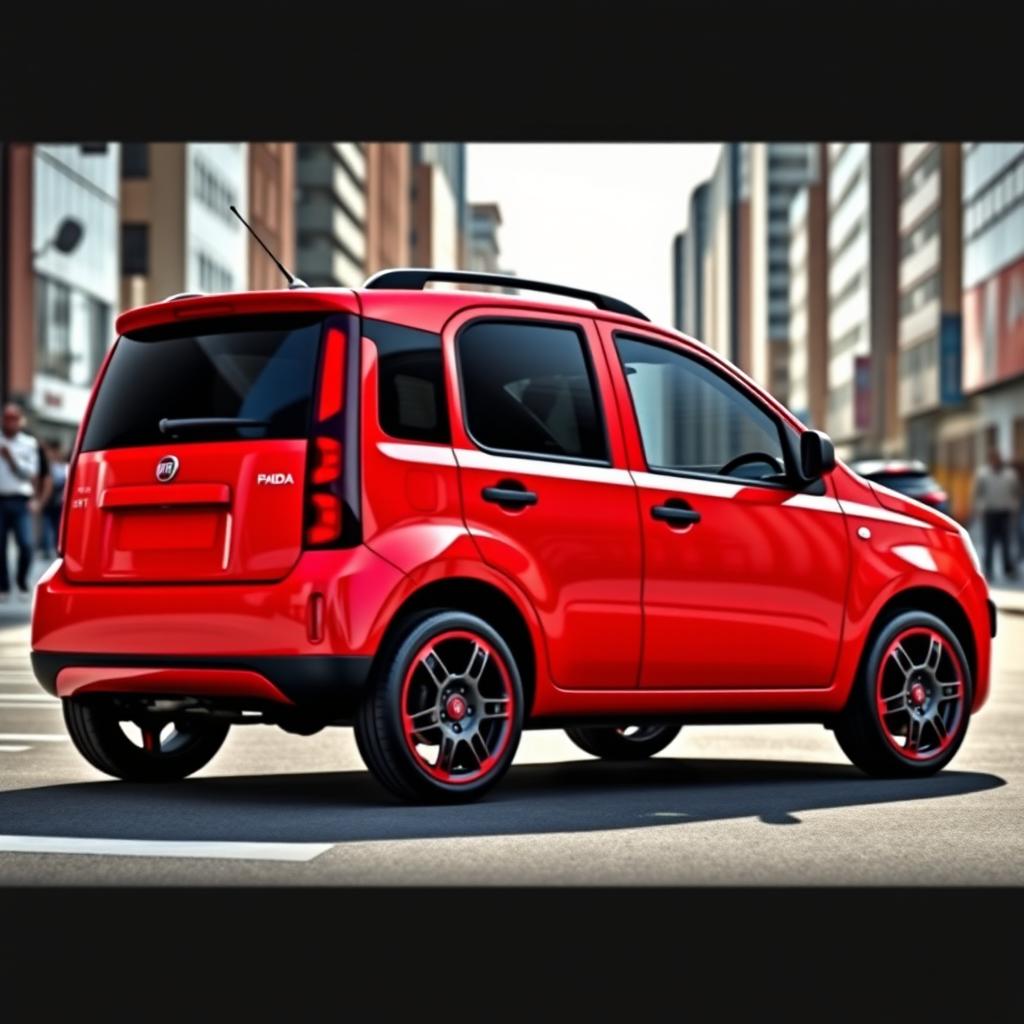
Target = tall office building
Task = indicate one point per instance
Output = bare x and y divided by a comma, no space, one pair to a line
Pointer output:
271,211
61,305
777,172
993,293
726,272
330,214
439,206
177,231
694,262
388,205
679,280
808,296
862,414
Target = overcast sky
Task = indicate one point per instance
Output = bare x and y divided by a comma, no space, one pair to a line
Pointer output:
595,215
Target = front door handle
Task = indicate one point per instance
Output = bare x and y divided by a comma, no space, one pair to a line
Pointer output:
676,513
509,494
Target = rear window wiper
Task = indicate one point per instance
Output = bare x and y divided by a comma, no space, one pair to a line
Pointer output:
168,426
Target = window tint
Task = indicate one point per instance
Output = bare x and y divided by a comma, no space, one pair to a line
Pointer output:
527,387
691,419
258,368
411,398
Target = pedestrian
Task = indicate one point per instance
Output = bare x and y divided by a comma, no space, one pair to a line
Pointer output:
44,488
997,499
19,468
54,503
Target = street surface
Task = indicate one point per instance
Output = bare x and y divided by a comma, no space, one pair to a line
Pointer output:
723,805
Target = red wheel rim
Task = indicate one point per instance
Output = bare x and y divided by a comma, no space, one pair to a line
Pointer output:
458,706
919,694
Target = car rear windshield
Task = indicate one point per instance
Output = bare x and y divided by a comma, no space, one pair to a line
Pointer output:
255,368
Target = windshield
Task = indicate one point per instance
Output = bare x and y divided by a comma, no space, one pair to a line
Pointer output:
255,369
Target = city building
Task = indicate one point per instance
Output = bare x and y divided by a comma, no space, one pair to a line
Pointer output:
993,302
483,249
776,172
725,313
862,414
271,211
330,214
60,304
808,295
388,205
694,262
679,281
177,231
439,206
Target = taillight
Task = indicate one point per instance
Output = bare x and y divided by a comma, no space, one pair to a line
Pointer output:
324,507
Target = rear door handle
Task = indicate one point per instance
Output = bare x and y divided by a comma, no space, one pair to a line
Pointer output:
676,512
510,494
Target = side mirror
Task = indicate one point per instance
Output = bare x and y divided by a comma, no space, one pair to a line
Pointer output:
817,454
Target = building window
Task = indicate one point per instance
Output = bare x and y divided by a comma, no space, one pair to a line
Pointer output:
53,327
134,160
918,296
214,193
134,249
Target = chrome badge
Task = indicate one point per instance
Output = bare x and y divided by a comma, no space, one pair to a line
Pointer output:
166,468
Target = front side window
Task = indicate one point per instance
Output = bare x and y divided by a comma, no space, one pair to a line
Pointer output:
694,421
528,389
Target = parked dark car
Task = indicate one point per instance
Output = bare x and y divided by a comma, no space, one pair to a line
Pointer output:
911,478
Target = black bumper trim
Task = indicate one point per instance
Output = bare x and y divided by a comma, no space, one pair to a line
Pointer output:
305,679
992,617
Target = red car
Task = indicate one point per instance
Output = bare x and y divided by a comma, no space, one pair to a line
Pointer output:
443,517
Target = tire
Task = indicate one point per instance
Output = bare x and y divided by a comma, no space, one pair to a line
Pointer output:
95,727
431,730
910,705
617,743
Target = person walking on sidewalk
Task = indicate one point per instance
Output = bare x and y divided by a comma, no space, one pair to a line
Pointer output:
19,467
997,499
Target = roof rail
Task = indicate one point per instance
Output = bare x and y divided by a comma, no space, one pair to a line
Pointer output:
184,295
416,278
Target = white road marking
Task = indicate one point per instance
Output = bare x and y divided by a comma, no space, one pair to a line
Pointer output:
42,698
26,706
163,848
5,749
33,737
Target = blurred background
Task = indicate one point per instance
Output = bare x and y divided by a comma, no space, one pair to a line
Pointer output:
876,289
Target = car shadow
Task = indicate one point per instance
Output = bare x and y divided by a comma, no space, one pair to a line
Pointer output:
575,796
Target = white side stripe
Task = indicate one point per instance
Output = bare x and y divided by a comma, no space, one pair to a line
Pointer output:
815,502
472,459
687,485
855,508
428,454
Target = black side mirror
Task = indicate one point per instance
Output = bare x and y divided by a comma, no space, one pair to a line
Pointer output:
817,454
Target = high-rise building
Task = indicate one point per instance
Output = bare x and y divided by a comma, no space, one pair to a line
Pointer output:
694,262
808,296
439,208
331,214
993,294
679,281
483,250
271,211
862,414
177,231
61,304
777,172
726,272
388,205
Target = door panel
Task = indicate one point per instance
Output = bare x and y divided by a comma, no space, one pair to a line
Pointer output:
749,590
571,538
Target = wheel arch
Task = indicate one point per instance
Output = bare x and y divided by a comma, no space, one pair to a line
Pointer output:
477,597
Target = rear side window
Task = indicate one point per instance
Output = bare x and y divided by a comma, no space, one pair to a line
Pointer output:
256,368
411,400
528,388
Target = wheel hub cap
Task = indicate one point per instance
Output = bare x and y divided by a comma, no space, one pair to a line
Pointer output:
918,694
455,708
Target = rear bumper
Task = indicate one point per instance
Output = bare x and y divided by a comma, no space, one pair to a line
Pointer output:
330,682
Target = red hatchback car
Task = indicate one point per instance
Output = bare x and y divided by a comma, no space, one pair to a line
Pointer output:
446,516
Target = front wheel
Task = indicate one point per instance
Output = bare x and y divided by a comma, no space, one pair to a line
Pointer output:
443,720
624,742
140,746
909,708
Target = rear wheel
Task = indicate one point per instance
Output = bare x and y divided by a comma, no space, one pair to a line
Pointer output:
140,746
443,721
909,708
625,742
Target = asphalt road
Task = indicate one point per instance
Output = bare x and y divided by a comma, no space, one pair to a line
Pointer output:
724,805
